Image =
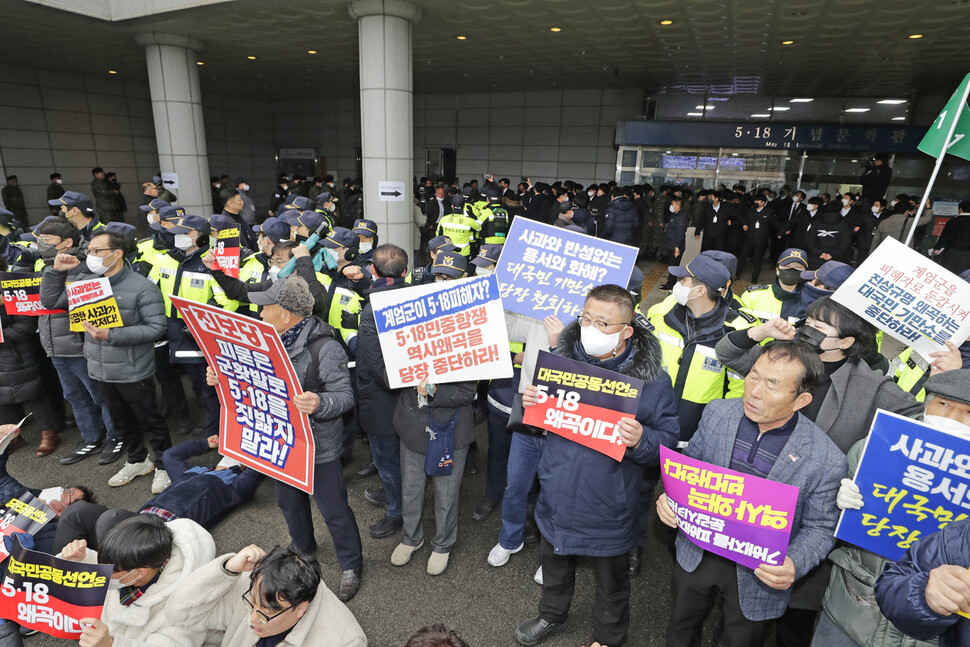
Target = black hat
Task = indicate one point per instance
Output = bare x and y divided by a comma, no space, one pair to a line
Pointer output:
704,269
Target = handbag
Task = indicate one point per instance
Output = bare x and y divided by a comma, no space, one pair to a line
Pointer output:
515,418
439,460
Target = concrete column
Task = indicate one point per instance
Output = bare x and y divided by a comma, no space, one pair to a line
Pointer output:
173,76
386,117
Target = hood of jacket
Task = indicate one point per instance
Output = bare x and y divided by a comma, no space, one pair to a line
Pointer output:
643,363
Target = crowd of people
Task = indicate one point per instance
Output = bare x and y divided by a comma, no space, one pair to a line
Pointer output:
779,381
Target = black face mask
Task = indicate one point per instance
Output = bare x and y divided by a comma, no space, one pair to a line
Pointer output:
790,277
812,337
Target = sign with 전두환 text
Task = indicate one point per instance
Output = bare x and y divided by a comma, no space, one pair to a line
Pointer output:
583,403
453,331
913,480
92,301
744,518
259,425
913,299
546,270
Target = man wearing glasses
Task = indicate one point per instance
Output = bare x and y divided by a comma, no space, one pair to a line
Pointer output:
588,502
283,602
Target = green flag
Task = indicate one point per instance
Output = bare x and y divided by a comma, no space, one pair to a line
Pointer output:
932,143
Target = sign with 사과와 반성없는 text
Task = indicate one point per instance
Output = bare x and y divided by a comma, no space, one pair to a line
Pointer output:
742,517
92,301
259,425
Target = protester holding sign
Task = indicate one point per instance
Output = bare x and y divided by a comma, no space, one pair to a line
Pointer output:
588,501
762,434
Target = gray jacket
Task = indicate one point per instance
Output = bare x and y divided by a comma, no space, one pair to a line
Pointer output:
331,383
851,402
809,461
128,354
55,332
411,420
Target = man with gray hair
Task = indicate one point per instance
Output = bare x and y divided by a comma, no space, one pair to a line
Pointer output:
320,364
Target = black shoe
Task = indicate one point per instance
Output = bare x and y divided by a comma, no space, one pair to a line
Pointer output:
111,451
533,630
377,496
82,451
309,551
636,556
367,470
484,508
530,533
349,584
24,631
385,527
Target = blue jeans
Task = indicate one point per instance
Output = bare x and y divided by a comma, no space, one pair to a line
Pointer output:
524,455
386,452
90,413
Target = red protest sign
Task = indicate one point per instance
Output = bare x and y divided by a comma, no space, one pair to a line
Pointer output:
51,595
259,425
227,251
21,294
583,403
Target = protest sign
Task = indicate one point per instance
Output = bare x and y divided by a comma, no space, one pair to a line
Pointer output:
452,331
23,514
744,518
909,297
259,425
21,294
49,594
583,403
913,479
92,301
546,270
227,251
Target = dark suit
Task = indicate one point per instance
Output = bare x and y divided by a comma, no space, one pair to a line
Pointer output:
713,225
788,211
756,239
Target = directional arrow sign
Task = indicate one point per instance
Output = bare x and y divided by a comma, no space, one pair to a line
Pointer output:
170,180
391,191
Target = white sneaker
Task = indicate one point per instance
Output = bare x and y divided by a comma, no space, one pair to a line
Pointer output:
130,471
538,576
499,555
160,482
402,554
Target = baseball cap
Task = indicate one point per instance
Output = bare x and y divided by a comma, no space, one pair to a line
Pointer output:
154,205
32,234
450,264
123,228
298,202
487,255
340,237
290,293
218,222
366,227
436,243
793,255
309,219
189,222
74,199
170,214
727,259
274,229
832,274
704,269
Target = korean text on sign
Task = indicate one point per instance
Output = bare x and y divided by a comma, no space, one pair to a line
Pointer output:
744,518
913,481
259,424
910,297
583,403
447,332
23,514
92,301
546,270
227,251
21,294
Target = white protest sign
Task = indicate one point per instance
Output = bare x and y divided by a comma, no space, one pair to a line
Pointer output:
392,191
448,332
910,297
170,181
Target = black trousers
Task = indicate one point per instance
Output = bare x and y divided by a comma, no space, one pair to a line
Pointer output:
169,377
611,608
330,493
10,414
694,595
208,398
754,250
133,411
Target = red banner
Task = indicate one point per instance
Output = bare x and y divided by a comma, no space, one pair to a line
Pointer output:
583,403
21,294
259,425
227,251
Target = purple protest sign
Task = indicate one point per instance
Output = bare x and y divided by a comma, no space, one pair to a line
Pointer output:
738,516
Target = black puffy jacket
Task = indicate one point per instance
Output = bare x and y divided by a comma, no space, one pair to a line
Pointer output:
621,222
19,370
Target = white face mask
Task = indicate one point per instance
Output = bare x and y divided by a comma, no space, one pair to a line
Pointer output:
948,425
151,219
284,187
365,247
245,187
893,203
681,293
59,181
796,199
274,273
597,343
671,208
812,208
183,241
876,210
96,264
117,584
484,271
845,202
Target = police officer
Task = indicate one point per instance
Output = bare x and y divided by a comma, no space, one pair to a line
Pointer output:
730,263
424,275
461,228
783,297
340,249
487,259
366,231
79,209
161,217
492,216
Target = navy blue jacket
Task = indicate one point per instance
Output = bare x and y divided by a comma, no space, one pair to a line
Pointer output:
621,222
901,589
675,233
589,503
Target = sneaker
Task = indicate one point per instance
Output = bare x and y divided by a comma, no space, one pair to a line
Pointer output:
111,451
437,563
499,555
537,578
484,508
130,471
81,451
377,496
402,554
160,481
385,527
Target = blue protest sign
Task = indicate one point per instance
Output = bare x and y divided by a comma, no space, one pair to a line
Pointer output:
913,480
546,270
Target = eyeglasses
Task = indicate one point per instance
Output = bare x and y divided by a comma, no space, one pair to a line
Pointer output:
252,607
601,326
104,251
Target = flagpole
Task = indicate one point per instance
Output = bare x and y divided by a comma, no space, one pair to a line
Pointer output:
939,163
